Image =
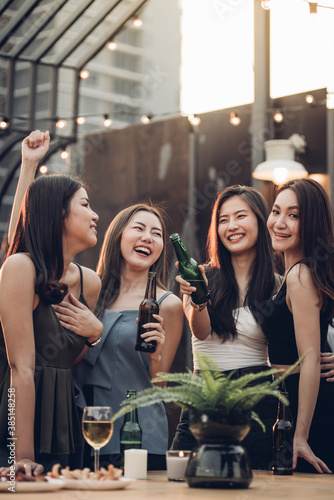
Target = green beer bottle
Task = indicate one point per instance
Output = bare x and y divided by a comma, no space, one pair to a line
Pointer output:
190,271
147,308
130,433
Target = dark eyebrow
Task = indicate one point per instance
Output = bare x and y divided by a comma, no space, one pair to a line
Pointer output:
293,207
237,212
85,198
144,225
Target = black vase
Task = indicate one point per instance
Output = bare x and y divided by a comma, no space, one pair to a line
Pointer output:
219,460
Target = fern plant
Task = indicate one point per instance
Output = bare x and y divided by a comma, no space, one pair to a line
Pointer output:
210,390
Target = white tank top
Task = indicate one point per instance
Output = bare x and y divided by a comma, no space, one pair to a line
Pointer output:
248,349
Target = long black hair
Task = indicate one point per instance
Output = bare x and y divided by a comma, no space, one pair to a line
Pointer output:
39,231
316,236
220,272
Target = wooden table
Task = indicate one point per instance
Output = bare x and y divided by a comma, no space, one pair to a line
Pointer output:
157,487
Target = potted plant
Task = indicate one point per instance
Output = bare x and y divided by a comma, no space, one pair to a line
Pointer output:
220,412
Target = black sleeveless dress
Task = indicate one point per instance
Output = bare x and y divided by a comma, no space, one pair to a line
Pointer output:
279,328
57,426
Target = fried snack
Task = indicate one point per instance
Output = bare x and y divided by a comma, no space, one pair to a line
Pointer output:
110,474
23,477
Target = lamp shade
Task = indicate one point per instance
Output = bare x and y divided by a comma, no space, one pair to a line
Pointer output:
280,165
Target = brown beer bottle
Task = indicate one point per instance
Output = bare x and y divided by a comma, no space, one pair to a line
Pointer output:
283,440
147,308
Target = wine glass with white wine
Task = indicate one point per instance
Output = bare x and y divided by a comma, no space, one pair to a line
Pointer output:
97,429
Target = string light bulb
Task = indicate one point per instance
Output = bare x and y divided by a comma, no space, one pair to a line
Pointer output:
309,99
61,124
81,120
84,74
64,154
137,22
4,123
194,120
234,119
145,119
112,45
278,117
266,4
43,169
107,122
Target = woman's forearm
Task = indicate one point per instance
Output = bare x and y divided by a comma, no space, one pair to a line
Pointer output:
22,381
309,381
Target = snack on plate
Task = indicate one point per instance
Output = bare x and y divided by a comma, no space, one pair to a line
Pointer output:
110,474
23,477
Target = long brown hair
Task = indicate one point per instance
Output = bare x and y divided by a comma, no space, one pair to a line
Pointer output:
222,281
110,260
316,236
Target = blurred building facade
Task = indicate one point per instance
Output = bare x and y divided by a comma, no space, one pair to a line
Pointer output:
123,84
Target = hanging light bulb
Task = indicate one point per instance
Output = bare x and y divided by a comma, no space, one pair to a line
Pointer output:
266,4
84,74
234,119
61,124
80,120
145,119
4,123
64,154
107,122
309,98
137,22
112,45
43,169
194,120
278,117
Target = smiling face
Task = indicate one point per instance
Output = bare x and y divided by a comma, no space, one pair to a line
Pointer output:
79,231
283,224
142,240
237,226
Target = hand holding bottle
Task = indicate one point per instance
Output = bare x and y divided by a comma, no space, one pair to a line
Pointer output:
191,272
149,332
185,287
154,333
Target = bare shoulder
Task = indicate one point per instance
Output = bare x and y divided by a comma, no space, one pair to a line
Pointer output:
171,303
300,277
19,265
17,282
300,287
90,278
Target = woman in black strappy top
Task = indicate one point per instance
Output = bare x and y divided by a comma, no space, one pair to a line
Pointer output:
38,415
296,319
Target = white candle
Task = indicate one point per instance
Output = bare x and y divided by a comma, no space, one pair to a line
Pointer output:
177,461
135,464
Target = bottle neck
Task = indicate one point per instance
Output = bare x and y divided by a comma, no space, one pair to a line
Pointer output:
132,416
180,251
283,411
151,287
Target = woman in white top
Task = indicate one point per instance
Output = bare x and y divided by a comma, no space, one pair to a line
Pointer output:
241,278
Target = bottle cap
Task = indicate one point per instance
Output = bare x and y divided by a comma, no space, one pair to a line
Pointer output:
174,236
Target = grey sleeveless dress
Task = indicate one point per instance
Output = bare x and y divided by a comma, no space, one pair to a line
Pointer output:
113,367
